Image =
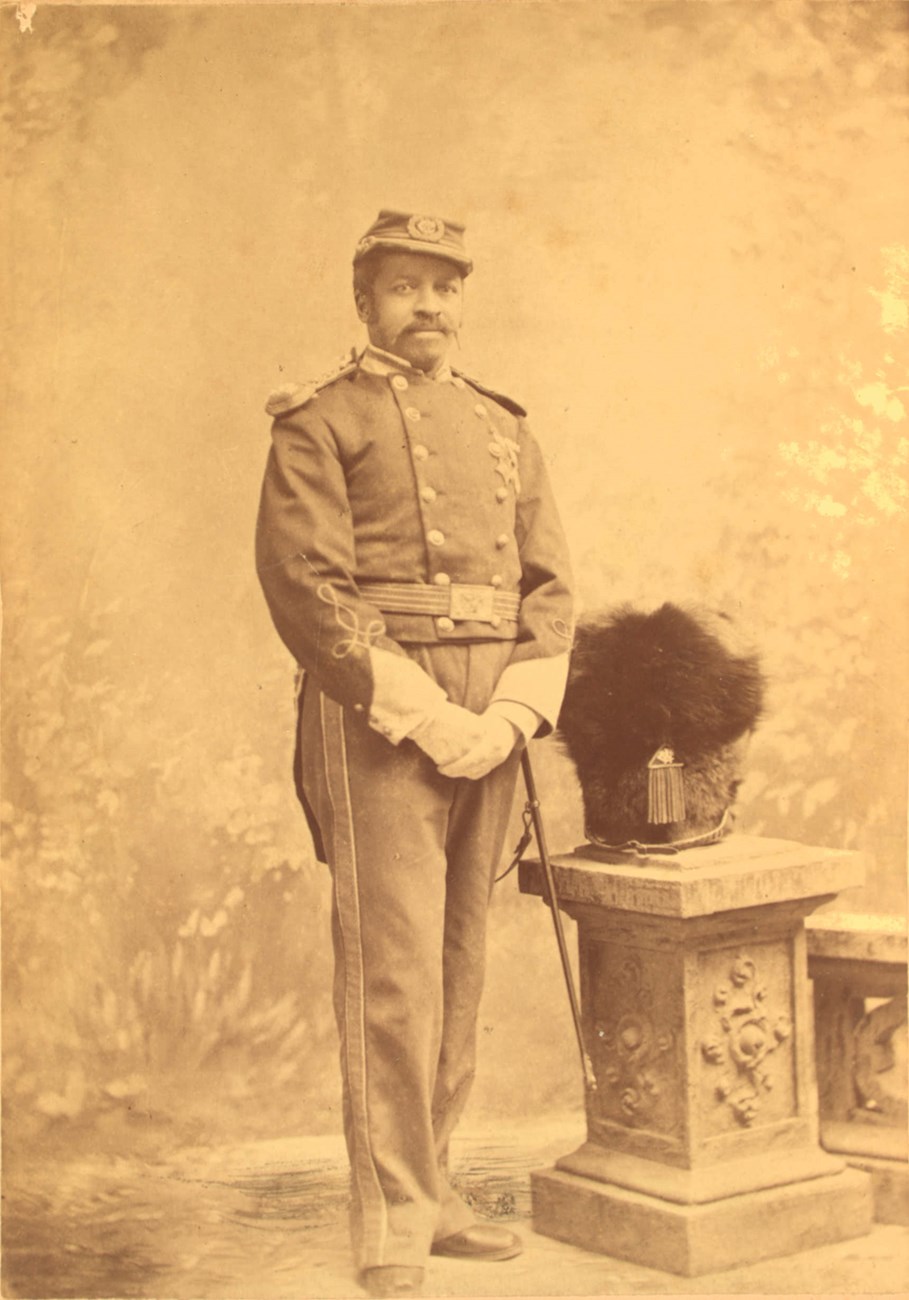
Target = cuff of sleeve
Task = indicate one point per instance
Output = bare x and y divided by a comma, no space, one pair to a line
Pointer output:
403,695
525,719
538,684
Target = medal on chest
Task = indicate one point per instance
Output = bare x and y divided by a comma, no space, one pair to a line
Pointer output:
505,451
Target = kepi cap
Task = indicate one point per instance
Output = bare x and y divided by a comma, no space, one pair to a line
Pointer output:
407,232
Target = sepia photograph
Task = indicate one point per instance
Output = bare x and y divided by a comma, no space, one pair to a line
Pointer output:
455,649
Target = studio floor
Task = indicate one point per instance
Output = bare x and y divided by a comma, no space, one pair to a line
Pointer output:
266,1220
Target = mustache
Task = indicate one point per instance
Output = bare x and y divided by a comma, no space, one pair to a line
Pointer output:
431,324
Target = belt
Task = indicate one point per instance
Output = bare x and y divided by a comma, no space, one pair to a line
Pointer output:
457,600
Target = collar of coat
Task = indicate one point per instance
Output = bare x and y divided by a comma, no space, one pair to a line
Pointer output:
374,361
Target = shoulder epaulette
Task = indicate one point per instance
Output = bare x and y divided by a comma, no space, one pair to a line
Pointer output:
292,396
509,403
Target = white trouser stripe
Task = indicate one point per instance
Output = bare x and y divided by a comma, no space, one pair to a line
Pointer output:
344,863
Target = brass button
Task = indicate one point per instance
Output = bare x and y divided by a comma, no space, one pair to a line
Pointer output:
495,449
358,708
495,580
435,538
428,494
412,413
420,452
399,382
502,494
495,620
480,408
445,624
441,579
502,540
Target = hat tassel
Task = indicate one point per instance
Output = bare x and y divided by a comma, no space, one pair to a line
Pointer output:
665,788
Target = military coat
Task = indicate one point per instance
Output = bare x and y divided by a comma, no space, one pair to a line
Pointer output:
385,475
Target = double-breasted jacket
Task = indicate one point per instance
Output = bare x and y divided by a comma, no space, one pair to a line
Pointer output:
384,478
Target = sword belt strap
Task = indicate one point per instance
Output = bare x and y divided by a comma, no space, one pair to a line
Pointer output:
458,600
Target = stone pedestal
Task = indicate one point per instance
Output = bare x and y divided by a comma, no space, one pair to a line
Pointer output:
702,1147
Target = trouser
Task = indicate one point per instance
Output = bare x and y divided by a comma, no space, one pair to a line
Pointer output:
413,855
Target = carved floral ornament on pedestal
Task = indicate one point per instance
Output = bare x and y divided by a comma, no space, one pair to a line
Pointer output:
748,1034
633,1048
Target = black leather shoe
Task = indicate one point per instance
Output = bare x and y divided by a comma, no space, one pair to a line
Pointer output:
393,1279
480,1241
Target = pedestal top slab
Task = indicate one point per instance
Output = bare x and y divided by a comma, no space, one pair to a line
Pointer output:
741,871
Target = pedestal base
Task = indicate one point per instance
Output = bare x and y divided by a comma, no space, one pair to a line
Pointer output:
696,1239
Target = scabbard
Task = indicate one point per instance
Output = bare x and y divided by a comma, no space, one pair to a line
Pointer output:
533,803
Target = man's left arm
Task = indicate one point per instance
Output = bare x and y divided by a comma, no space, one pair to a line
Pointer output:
529,692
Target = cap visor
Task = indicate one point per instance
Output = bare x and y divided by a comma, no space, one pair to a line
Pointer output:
460,260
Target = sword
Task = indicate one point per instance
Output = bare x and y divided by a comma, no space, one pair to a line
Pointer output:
533,805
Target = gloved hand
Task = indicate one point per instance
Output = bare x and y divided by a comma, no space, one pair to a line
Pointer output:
498,739
449,734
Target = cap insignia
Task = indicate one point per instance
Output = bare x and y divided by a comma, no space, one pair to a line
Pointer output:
430,229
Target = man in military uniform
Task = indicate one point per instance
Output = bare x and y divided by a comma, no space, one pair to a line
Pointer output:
414,565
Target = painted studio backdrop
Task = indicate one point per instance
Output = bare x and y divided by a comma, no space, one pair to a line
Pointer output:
688,227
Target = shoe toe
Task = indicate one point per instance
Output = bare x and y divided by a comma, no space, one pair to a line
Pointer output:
487,1241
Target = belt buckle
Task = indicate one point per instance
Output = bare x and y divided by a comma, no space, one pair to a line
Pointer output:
471,603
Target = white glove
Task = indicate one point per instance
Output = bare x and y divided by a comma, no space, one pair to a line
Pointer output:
449,734
498,739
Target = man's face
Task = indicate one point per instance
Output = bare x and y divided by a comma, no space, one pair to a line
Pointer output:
414,308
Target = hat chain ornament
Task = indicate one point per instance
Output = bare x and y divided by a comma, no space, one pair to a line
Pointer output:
665,788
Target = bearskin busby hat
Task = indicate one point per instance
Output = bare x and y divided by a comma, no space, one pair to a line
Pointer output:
656,712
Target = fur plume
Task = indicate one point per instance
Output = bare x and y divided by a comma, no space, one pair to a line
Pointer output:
676,677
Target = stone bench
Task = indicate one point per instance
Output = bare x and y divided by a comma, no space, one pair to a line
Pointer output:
858,967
